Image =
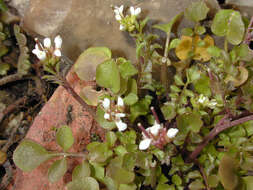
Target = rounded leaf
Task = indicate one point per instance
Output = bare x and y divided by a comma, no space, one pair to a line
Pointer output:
87,62
227,174
81,171
64,137
189,122
57,170
197,11
87,183
108,76
29,155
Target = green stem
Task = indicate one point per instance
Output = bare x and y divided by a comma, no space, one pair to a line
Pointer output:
66,154
226,45
164,69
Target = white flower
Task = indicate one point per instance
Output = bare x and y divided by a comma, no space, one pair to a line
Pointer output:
144,144
58,42
154,129
106,103
119,10
212,103
57,53
202,99
107,116
122,27
121,125
135,12
172,132
118,17
47,43
120,102
40,54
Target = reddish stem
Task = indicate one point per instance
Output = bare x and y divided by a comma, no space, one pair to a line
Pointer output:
221,126
155,115
70,90
143,130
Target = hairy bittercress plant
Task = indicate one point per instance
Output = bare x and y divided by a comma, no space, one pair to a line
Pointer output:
201,117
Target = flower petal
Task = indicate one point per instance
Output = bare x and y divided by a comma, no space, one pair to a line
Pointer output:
122,27
47,42
144,144
119,115
106,103
107,116
120,101
121,125
132,10
137,11
118,17
155,129
57,53
172,132
58,42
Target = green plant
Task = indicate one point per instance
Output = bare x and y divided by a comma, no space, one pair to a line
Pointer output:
201,117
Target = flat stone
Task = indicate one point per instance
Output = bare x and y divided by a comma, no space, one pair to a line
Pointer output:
85,23
56,113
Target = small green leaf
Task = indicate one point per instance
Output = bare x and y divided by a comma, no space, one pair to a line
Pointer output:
140,108
131,99
214,51
197,185
168,111
168,27
202,85
197,11
64,137
164,187
87,183
174,43
176,179
110,138
81,171
102,121
229,23
227,168
128,137
193,74
119,174
29,155
127,187
127,69
87,62
4,68
213,181
189,122
187,32
178,80
248,180
108,76
98,152
57,170
200,30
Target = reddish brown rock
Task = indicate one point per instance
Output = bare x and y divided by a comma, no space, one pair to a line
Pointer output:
54,114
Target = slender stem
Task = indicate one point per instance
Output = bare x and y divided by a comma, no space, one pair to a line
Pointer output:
221,126
70,154
155,115
10,78
226,45
143,130
203,174
67,86
164,72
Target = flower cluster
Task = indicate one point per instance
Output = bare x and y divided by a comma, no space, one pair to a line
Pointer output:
114,112
47,50
205,102
127,22
156,135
